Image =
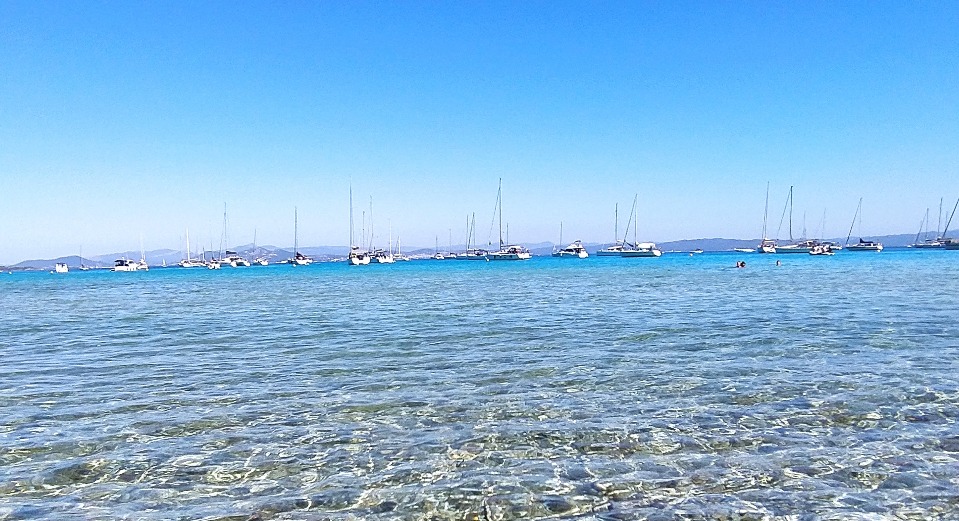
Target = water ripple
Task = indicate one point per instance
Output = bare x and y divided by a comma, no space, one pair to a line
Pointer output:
672,389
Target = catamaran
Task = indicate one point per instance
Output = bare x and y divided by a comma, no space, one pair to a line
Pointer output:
60,267
637,249
862,245
511,251
235,260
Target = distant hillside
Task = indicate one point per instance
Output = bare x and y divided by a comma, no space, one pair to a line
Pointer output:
73,261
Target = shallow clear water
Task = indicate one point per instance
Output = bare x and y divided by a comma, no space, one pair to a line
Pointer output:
671,388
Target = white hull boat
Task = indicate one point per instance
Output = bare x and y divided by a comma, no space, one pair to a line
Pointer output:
513,252
130,265
794,248
358,257
188,262
862,245
574,250
615,250
637,249
643,249
382,257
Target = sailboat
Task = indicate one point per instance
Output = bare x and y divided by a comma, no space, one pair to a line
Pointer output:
767,245
616,248
82,267
398,256
357,256
862,245
188,262
436,250
259,260
637,249
472,252
378,255
450,254
804,245
927,242
298,258
574,250
947,243
822,248
506,251
232,258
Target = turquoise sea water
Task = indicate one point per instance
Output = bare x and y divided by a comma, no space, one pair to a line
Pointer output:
671,388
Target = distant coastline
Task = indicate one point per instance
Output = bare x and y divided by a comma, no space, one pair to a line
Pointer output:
332,253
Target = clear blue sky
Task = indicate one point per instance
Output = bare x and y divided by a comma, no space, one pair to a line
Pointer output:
122,119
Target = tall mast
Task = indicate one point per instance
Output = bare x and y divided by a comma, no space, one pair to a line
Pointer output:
949,221
848,235
499,202
223,239
296,223
451,241
921,223
766,211
616,218
631,214
187,245
790,214
371,223
860,217
939,224
352,242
